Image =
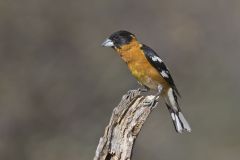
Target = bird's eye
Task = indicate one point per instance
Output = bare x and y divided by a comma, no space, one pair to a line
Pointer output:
115,39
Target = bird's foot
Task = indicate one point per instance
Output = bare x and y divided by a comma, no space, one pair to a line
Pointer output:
151,101
131,94
142,89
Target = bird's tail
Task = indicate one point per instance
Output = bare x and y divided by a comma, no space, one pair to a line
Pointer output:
179,121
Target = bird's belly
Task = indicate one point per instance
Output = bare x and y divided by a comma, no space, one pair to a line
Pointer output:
149,82
147,75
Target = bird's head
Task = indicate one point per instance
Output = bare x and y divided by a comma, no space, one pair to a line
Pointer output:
119,39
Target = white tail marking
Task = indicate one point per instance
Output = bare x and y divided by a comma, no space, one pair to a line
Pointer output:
186,125
172,99
178,124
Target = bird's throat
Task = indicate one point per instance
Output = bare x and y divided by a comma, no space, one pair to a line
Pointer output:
128,52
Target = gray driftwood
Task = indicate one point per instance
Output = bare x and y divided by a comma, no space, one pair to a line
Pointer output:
125,124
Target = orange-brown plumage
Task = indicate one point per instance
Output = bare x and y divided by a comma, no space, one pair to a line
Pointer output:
140,68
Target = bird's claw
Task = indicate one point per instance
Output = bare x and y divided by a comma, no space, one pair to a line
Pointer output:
151,101
142,89
131,94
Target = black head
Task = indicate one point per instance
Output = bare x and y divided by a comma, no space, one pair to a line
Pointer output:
118,39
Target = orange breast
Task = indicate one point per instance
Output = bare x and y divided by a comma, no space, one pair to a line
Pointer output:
140,68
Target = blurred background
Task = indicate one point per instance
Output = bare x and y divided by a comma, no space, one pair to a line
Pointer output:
58,86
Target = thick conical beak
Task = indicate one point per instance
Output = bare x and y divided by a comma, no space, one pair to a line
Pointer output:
108,43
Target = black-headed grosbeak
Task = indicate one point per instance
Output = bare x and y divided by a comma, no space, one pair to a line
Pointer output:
150,71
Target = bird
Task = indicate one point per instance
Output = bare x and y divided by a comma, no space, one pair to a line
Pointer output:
150,72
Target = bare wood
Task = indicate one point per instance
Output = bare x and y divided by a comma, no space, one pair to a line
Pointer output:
125,124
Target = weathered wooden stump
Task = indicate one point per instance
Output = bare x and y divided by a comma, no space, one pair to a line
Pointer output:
125,124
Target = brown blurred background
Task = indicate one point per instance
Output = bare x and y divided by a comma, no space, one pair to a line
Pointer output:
58,86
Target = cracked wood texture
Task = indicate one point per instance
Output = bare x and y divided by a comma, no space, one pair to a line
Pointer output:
125,124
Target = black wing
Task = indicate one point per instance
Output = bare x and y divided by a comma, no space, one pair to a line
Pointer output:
157,63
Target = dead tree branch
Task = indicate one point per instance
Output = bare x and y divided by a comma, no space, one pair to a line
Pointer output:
125,124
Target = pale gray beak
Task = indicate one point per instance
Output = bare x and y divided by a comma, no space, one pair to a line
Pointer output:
108,43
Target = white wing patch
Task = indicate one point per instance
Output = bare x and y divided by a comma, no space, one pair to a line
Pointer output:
156,58
164,74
